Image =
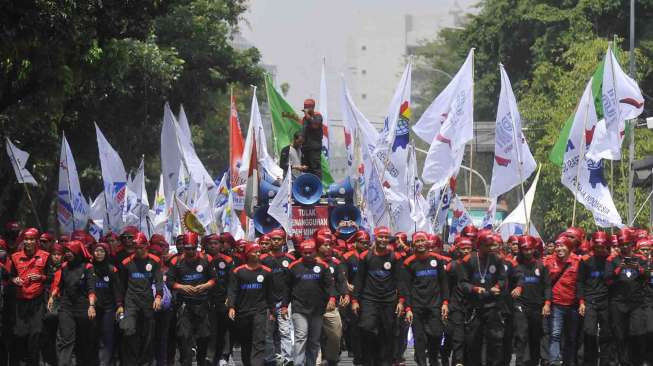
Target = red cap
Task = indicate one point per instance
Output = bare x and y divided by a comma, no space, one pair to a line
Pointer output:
190,239
526,242
31,233
78,248
435,241
308,246
381,230
226,237
140,240
420,235
625,236
129,231
641,234
46,237
463,242
470,231
104,246
251,247
277,233
160,240
485,236
360,234
309,103
264,237
513,239
323,239
575,233
600,238
566,241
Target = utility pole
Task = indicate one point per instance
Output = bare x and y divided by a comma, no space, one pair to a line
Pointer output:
631,143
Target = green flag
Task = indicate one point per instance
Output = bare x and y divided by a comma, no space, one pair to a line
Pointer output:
285,122
557,153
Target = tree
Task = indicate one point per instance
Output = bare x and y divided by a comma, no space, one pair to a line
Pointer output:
550,49
65,66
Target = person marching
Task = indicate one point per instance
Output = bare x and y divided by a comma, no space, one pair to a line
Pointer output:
592,292
251,303
191,275
531,278
28,270
361,242
482,280
376,299
278,339
311,293
425,283
109,296
74,285
139,273
627,280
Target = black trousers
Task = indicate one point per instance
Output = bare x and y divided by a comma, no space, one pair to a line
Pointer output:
49,348
401,338
352,335
138,330
28,324
312,158
597,335
250,330
485,324
508,337
76,334
427,331
223,332
377,322
628,327
193,328
456,332
527,328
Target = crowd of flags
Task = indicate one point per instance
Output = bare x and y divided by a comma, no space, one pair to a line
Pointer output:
382,164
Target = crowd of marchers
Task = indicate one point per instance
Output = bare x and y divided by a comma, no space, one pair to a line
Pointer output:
287,300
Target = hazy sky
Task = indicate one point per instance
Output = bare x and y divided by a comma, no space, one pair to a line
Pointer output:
294,35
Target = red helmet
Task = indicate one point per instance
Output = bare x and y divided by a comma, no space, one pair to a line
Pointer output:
129,231
566,241
463,242
190,240
251,247
323,239
359,235
308,246
641,243
140,240
526,242
31,233
420,235
46,237
277,233
625,236
227,238
600,238
575,233
485,236
470,231
514,239
435,241
381,230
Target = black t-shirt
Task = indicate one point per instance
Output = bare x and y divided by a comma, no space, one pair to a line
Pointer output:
533,278
311,286
592,285
250,290
194,271
424,281
377,278
137,275
107,285
74,283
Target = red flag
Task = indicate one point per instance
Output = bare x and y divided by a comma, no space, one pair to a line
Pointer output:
236,144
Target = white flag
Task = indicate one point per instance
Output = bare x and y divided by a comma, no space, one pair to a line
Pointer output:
349,113
183,124
188,218
160,210
322,107
195,167
438,197
461,218
170,154
230,221
518,215
490,214
513,161
97,216
449,123
280,207
256,135
204,210
390,148
115,180
418,205
18,159
137,206
622,99
586,181
72,207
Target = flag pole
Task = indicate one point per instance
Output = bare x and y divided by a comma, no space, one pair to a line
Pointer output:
581,158
440,202
140,194
471,145
231,103
70,197
22,178
519,161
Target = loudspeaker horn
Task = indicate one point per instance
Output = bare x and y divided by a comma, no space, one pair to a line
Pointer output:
264,223
345,213
307,189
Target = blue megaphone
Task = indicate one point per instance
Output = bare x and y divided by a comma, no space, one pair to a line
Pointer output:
264,223
342,213
307,189
266,192
342,189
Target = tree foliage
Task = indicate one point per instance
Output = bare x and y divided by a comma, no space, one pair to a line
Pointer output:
67,65
550,50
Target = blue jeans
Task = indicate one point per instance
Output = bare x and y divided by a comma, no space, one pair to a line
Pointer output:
564,321
278,338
